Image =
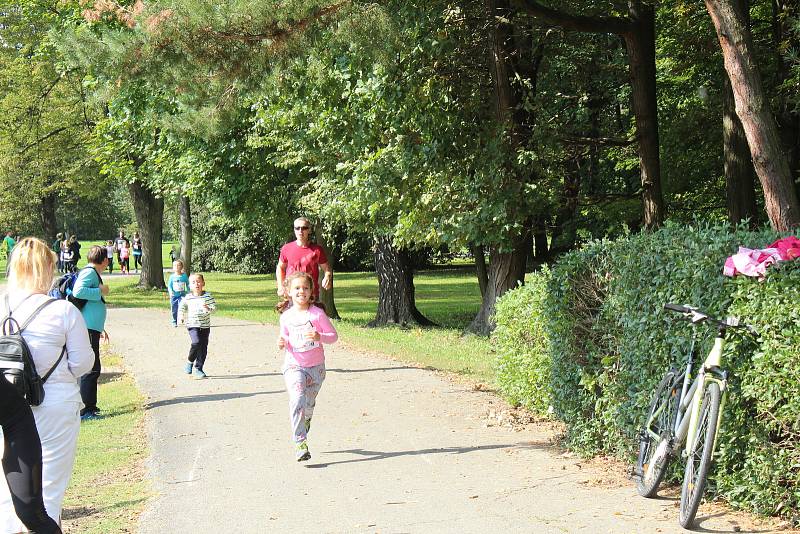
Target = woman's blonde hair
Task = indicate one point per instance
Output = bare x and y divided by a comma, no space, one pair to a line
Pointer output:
31,266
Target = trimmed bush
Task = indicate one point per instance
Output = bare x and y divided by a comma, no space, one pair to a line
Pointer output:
523,370
601,342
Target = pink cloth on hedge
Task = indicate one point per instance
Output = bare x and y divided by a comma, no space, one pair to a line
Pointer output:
788,247
754,262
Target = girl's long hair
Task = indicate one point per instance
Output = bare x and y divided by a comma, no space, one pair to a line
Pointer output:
286,301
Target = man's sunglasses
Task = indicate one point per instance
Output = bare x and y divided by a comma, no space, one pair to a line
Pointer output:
301,227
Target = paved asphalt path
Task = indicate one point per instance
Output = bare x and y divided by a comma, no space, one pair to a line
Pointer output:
395,449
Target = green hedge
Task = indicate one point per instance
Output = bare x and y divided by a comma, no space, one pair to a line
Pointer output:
588,341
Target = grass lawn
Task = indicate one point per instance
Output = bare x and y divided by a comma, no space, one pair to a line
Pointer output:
449,297
108,490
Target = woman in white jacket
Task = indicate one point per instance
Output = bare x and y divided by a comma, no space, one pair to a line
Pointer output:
57,325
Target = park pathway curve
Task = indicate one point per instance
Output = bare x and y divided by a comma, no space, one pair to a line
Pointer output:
395,449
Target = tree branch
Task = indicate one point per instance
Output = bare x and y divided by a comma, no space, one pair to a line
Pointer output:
601,141
275,34
617,25
46,137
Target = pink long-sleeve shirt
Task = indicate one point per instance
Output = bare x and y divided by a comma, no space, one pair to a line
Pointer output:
294,325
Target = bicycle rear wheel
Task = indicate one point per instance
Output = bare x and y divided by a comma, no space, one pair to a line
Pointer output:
654,452
699,461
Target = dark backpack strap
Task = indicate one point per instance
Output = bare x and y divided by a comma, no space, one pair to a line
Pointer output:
32,316
50,372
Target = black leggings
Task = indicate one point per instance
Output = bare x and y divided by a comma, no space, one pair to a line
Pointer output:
22,461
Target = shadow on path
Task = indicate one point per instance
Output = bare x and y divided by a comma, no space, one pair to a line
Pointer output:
206,398
378,455
232,377
371,369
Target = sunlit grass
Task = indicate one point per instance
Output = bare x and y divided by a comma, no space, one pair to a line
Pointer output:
107,489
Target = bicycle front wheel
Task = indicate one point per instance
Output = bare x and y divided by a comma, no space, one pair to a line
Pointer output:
699,459
656,436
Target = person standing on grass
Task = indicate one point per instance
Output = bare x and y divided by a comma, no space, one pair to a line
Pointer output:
136,249
56,247
303,327
89,286
195,311
305,256
178,286
56,336
110,255
119,242
8,243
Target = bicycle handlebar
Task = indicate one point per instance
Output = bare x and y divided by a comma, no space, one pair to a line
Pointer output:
696,315
676,308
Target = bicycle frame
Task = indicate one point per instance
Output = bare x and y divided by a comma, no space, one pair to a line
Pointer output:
690,400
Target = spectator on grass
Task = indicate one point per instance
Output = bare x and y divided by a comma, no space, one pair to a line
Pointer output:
90,287
119,242
56,248
137,251
303,255
57,340
8,243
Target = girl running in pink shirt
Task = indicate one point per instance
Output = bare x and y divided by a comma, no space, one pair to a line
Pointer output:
304,328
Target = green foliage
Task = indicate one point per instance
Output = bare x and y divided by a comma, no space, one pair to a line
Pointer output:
600,341
760,461
523,369
235,246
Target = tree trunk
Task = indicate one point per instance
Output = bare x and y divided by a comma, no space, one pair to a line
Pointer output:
638,31
185,210
48,216
502,49
565,231
541,250
480,267
752,108
149,210
396,301
784,37
326,295
739,174
641,45
504,269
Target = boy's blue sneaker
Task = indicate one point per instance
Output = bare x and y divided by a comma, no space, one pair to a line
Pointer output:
188,368
301,453
198,374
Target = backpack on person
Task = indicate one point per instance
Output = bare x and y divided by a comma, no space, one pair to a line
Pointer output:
63,286
16,361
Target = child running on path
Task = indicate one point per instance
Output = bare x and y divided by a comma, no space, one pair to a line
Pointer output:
303,327
124,254
178,286
195,311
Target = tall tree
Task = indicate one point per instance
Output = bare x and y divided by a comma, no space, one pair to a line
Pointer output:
752,108
149,210
638,31
186,234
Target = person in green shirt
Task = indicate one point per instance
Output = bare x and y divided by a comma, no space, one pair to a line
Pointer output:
9,242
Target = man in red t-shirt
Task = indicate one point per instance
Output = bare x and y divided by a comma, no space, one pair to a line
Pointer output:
302,255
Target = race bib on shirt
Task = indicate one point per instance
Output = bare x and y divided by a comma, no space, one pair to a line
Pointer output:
179,286
298,339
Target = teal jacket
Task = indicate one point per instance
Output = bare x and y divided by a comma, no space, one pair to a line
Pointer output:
87,287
